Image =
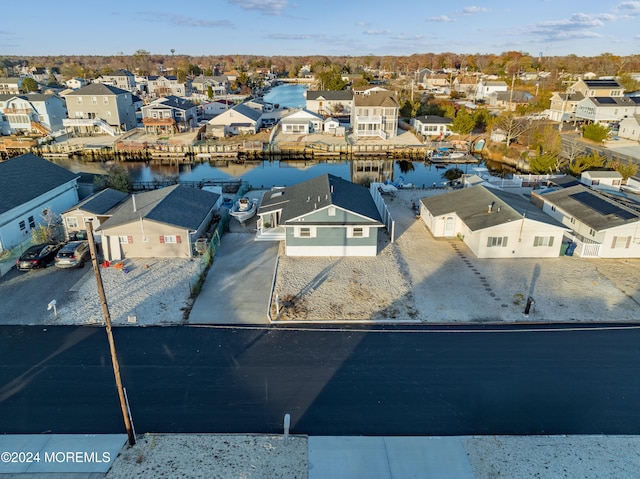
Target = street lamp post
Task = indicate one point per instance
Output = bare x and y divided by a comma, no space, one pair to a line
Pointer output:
112,344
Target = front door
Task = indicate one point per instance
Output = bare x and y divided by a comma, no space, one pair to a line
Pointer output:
449,226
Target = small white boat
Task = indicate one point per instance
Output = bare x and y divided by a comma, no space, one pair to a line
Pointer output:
243,209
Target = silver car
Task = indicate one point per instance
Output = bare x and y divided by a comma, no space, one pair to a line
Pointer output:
73,255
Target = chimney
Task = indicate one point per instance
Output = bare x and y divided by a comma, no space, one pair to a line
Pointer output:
133,197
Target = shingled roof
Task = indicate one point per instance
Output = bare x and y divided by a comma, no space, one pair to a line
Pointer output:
317,193
101,202
26,177
176,205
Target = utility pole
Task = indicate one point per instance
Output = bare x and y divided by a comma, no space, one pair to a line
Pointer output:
112,344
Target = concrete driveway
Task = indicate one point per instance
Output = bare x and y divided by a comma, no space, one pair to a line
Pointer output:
238,285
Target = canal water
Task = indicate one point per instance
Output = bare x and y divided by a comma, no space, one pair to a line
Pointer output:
288,96
266,174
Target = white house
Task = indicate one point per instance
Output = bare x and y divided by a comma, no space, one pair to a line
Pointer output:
31,187
301,122
432,125
630,128
487,87
607,109
600,226
32,112
602,180
493,223
327,102
235,121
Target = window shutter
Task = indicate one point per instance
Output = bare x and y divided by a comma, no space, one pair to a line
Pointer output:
178,239
613,243
504,243
628,242
161,239
550,240
130,239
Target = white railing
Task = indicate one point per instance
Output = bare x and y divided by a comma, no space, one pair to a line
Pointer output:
382,209
587,250
369,119
99,122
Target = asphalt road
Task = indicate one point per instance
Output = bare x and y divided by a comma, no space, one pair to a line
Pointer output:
25,295
332,382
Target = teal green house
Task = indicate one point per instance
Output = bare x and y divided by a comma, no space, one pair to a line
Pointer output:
324,216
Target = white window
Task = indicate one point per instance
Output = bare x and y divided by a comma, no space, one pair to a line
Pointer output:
72,222
304,232
357,232
169,239
621,242
332,210
94,100
123,239
497,241
79,100
543,241
105,100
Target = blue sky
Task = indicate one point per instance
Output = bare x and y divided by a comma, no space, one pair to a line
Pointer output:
321,27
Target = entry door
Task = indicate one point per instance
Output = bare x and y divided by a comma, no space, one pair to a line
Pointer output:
115,252
449,226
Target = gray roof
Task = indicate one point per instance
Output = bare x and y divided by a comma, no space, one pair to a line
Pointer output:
101,202
172,101
28,176
98,89
377,98
320,192
176,205
335,95
603,174
247,111
434,119
590,207
471,205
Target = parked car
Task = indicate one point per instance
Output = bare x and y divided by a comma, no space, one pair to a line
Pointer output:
37,256
73,255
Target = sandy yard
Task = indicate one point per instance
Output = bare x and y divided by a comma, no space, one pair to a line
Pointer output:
420,278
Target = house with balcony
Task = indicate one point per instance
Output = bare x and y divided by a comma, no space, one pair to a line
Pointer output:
329,103
160,86
163,223
31,113
324,216
600,226
493,223
99,109
218,85
123,79
11,86
169,115
375,114
30,188
432,126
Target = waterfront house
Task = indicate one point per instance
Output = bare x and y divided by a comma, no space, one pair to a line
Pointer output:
97,208
30,188
600,226
213,108
493,223
329,103
508,100
375,114
163,223
75,83
432,126
324,216
31,113
98,109
123,79
241,119
630,127
602,180
216,85
169,115
301,122
11,86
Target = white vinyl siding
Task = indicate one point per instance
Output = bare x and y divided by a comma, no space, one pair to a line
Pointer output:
543,241
497,241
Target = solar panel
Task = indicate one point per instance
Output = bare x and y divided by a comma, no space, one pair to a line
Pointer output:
602,206
605,100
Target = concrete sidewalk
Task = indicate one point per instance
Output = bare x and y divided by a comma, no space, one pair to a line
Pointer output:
62,455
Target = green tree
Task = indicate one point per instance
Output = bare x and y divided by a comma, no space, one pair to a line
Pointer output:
586,162
596,132
209,92
116,178
463,123
628,83
627,170
29,85
50,230
544,164
482,119
331,79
